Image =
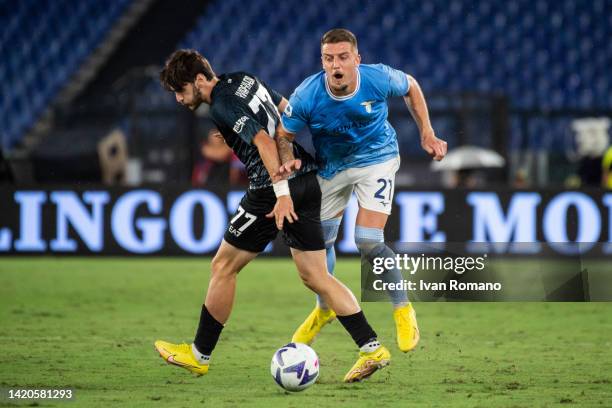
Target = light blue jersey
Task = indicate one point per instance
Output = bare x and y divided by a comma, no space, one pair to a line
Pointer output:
352,130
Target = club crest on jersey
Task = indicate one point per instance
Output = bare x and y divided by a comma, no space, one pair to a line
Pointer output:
239,125
368,106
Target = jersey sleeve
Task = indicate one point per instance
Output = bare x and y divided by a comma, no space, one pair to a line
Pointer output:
276,96
396,81
295,116
236,115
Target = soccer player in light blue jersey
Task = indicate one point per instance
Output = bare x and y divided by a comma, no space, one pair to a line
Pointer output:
345,108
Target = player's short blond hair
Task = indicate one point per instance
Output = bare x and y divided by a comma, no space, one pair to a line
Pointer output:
338,35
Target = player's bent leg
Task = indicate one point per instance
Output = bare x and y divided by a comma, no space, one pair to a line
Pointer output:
372,355
313,272
371,245
369,238
225,266
319,317
322,314
195,357
335,194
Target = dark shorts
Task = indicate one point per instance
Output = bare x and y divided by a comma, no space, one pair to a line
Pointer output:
249,229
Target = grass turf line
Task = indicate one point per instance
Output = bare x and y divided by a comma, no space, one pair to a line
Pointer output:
90,324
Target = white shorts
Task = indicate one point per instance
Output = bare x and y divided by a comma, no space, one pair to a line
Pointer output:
374,186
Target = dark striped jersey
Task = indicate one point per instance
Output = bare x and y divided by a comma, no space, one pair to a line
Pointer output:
241,106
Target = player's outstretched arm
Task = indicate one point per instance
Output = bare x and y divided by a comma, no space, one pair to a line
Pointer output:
284,143
415,100
269,156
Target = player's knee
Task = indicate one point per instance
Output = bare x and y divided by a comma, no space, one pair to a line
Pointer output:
365,247
307,277
308,283
370,241
223,267
369,234
312,279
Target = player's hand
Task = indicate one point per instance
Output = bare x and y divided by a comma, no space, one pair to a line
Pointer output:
289,167
433,146
283,209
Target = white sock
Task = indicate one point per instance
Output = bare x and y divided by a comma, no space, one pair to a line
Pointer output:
370,347
202,358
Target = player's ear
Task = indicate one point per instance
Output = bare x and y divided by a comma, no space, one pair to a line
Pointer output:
199,80
358,58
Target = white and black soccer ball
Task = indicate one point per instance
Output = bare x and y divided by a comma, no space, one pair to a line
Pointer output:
295,367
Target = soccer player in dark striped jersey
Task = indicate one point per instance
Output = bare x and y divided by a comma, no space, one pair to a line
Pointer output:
247,112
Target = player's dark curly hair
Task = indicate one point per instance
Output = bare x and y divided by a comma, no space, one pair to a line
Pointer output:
337,35
182,67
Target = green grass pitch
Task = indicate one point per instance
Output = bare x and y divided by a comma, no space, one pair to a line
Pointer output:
90,324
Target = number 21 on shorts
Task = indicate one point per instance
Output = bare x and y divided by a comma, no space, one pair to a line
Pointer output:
382,193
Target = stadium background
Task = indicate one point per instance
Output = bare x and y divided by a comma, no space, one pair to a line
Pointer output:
81,104
84,125
510,76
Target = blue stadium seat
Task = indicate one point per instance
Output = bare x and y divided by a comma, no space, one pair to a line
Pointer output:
539,53
525,49
42,45
495,40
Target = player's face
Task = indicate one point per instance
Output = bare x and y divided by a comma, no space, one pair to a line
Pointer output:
189,96
340,61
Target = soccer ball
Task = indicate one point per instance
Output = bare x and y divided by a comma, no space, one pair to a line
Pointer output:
295,367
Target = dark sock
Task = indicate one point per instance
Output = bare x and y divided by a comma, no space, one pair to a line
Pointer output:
208,333
358,327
